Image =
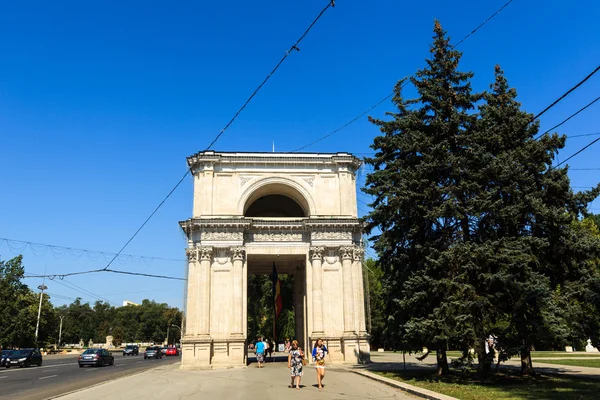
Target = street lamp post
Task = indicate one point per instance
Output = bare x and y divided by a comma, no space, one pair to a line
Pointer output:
42,287
175,326
59,332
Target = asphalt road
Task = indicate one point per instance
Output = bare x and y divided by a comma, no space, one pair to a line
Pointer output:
60,374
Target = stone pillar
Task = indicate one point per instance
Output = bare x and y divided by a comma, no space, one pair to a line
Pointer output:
191,314
347,254
316,256
359,284
238,290
203,297
364,348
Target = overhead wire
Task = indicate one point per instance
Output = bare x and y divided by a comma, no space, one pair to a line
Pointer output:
388,96
72,250
294,47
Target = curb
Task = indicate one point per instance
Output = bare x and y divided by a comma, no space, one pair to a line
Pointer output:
104,383
417,391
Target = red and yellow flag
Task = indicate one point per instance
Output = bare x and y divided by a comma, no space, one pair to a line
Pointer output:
277,300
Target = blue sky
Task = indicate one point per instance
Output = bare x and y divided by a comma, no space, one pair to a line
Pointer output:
101,102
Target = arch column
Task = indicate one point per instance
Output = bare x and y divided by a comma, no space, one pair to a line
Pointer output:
191,325
203,294
316,257
239,256
347,253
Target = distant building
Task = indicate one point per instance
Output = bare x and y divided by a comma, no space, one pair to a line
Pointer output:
129,303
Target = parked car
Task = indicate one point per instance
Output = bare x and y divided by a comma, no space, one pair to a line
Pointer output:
172,351
96,357
153,352
5,355
131,350
24,358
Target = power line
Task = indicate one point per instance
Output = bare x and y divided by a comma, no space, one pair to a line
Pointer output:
63,276
61,251
575,113
330,3
484,22
584,169
404,84
80,290
578,152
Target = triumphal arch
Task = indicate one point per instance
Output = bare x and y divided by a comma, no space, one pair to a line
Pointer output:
252,210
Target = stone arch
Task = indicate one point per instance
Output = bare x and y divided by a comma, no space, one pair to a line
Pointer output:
277,186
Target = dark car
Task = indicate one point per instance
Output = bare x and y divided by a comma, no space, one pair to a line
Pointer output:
96,357
153,352
5,355
131,350
24,358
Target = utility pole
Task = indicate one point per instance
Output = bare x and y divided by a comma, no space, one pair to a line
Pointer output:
168,327
60,332
42,287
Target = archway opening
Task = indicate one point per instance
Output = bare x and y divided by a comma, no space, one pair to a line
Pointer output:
276,200
260,312
274,205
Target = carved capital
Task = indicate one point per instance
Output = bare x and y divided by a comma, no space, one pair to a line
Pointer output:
316,253
206,253
347,252
358,253
238,253
192,254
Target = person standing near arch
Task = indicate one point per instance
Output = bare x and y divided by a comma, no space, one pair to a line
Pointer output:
318,354
260,352
295,363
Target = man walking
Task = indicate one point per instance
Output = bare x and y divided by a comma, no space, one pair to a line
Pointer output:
260,352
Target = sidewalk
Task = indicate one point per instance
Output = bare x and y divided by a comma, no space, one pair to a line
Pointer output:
271,382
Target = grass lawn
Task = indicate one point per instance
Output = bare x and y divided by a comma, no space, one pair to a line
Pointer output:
595,363
502,386
534,354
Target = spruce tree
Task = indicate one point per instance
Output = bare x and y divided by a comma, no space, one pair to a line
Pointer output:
418,201
477,227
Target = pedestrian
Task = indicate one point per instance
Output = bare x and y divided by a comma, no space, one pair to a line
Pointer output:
295,364
318,354
288,345
259,350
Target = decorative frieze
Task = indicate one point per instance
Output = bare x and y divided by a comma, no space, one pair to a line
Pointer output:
276,236
331,235
222,236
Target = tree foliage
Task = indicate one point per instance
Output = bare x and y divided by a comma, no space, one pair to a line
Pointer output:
479,233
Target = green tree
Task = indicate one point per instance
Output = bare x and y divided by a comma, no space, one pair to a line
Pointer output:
12,291
419,201
477,228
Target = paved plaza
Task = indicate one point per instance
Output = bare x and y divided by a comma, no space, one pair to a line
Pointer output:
271,382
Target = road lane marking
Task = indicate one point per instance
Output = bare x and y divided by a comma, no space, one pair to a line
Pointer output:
50,370
2,377
46,377
16,369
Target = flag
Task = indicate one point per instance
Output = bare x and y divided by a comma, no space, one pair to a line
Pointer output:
277,301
